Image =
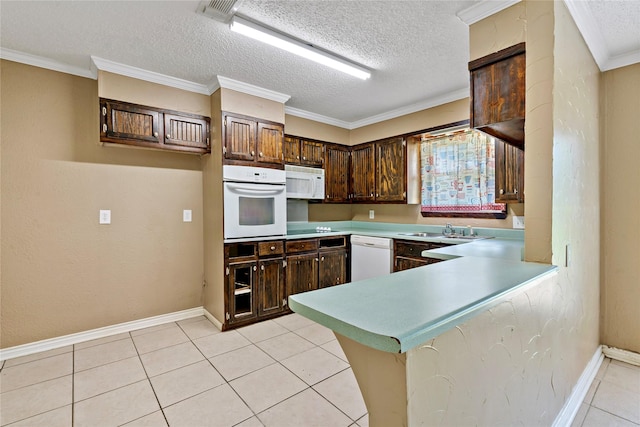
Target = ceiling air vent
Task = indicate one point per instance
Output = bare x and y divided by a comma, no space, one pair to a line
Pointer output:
220,10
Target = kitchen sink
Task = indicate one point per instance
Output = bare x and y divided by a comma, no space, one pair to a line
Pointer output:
423,234
442,236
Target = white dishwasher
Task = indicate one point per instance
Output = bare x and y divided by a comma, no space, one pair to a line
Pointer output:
370,257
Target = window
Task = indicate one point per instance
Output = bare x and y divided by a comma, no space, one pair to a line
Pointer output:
458,175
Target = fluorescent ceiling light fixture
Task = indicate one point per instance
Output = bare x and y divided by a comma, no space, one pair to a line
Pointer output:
265,35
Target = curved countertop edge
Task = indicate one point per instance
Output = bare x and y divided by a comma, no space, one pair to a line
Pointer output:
314,305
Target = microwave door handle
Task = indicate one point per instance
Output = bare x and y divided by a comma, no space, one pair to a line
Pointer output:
239,188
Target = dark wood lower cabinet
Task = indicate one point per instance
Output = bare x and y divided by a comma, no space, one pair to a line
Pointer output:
241,291
271,286
302,273
332,267
407,254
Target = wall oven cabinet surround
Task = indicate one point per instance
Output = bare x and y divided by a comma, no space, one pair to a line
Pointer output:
150,127
304,182
255,203
498,94
305,152
251,141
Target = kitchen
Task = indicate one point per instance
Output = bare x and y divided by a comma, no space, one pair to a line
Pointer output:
74,281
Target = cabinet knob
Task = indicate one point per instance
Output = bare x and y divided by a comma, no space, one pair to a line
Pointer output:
260,154
371,195
515,190
255,268
501,191
304,158
253,153
168,136
273,248
322,259
297,157
155,134
262,267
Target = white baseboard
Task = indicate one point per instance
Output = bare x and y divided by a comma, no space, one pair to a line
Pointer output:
212,319
572,405
621,355
50,344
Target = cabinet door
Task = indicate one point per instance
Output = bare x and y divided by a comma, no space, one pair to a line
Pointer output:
336,174
239,138
271,286
402,263
312,153
509,173
291,149
390,171
332,268
186,132
269,144
302,273
362,173
241,291
509,88
131,124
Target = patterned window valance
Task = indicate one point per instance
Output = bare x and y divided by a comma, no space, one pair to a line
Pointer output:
458,173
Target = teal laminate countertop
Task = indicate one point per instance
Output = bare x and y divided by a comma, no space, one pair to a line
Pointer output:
397,312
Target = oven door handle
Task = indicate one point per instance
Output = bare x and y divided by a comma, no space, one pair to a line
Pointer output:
252,190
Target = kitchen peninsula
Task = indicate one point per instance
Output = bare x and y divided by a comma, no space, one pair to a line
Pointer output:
412,336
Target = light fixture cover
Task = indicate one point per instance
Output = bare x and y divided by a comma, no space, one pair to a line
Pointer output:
281,41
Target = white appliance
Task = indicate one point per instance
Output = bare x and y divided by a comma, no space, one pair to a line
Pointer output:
255,202
370,257
304,182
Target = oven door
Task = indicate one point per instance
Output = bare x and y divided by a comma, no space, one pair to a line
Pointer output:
254,210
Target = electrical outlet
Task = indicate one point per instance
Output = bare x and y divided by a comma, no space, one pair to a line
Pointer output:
518,222
372,214
105,216
186,215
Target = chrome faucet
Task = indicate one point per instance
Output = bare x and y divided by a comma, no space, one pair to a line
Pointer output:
448,230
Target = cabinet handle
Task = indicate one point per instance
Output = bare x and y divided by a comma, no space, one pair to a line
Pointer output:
104,111
104,128
501,191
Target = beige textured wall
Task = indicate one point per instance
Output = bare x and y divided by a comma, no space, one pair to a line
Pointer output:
442,114
620,207
62,272
311,129
254,106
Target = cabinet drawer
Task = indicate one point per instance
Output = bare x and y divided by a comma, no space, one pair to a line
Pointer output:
270,248
411,250
302,245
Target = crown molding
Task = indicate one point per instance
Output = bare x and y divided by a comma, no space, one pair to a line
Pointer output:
588,26
41,62
413,108
249,89
149,76
483,9
317,117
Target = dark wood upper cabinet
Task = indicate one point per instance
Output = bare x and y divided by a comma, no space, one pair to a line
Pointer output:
390,171
498,94
305,152
363,173
143,126
336,173
509,173
247,140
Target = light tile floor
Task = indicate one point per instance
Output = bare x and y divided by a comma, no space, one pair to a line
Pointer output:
283,372
613,398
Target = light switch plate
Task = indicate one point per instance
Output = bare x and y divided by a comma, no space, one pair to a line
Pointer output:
186,215
518,222
105,216
372,214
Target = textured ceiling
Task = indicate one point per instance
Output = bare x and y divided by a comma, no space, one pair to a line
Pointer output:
418,50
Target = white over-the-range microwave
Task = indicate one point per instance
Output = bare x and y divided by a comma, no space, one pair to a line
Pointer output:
304,182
